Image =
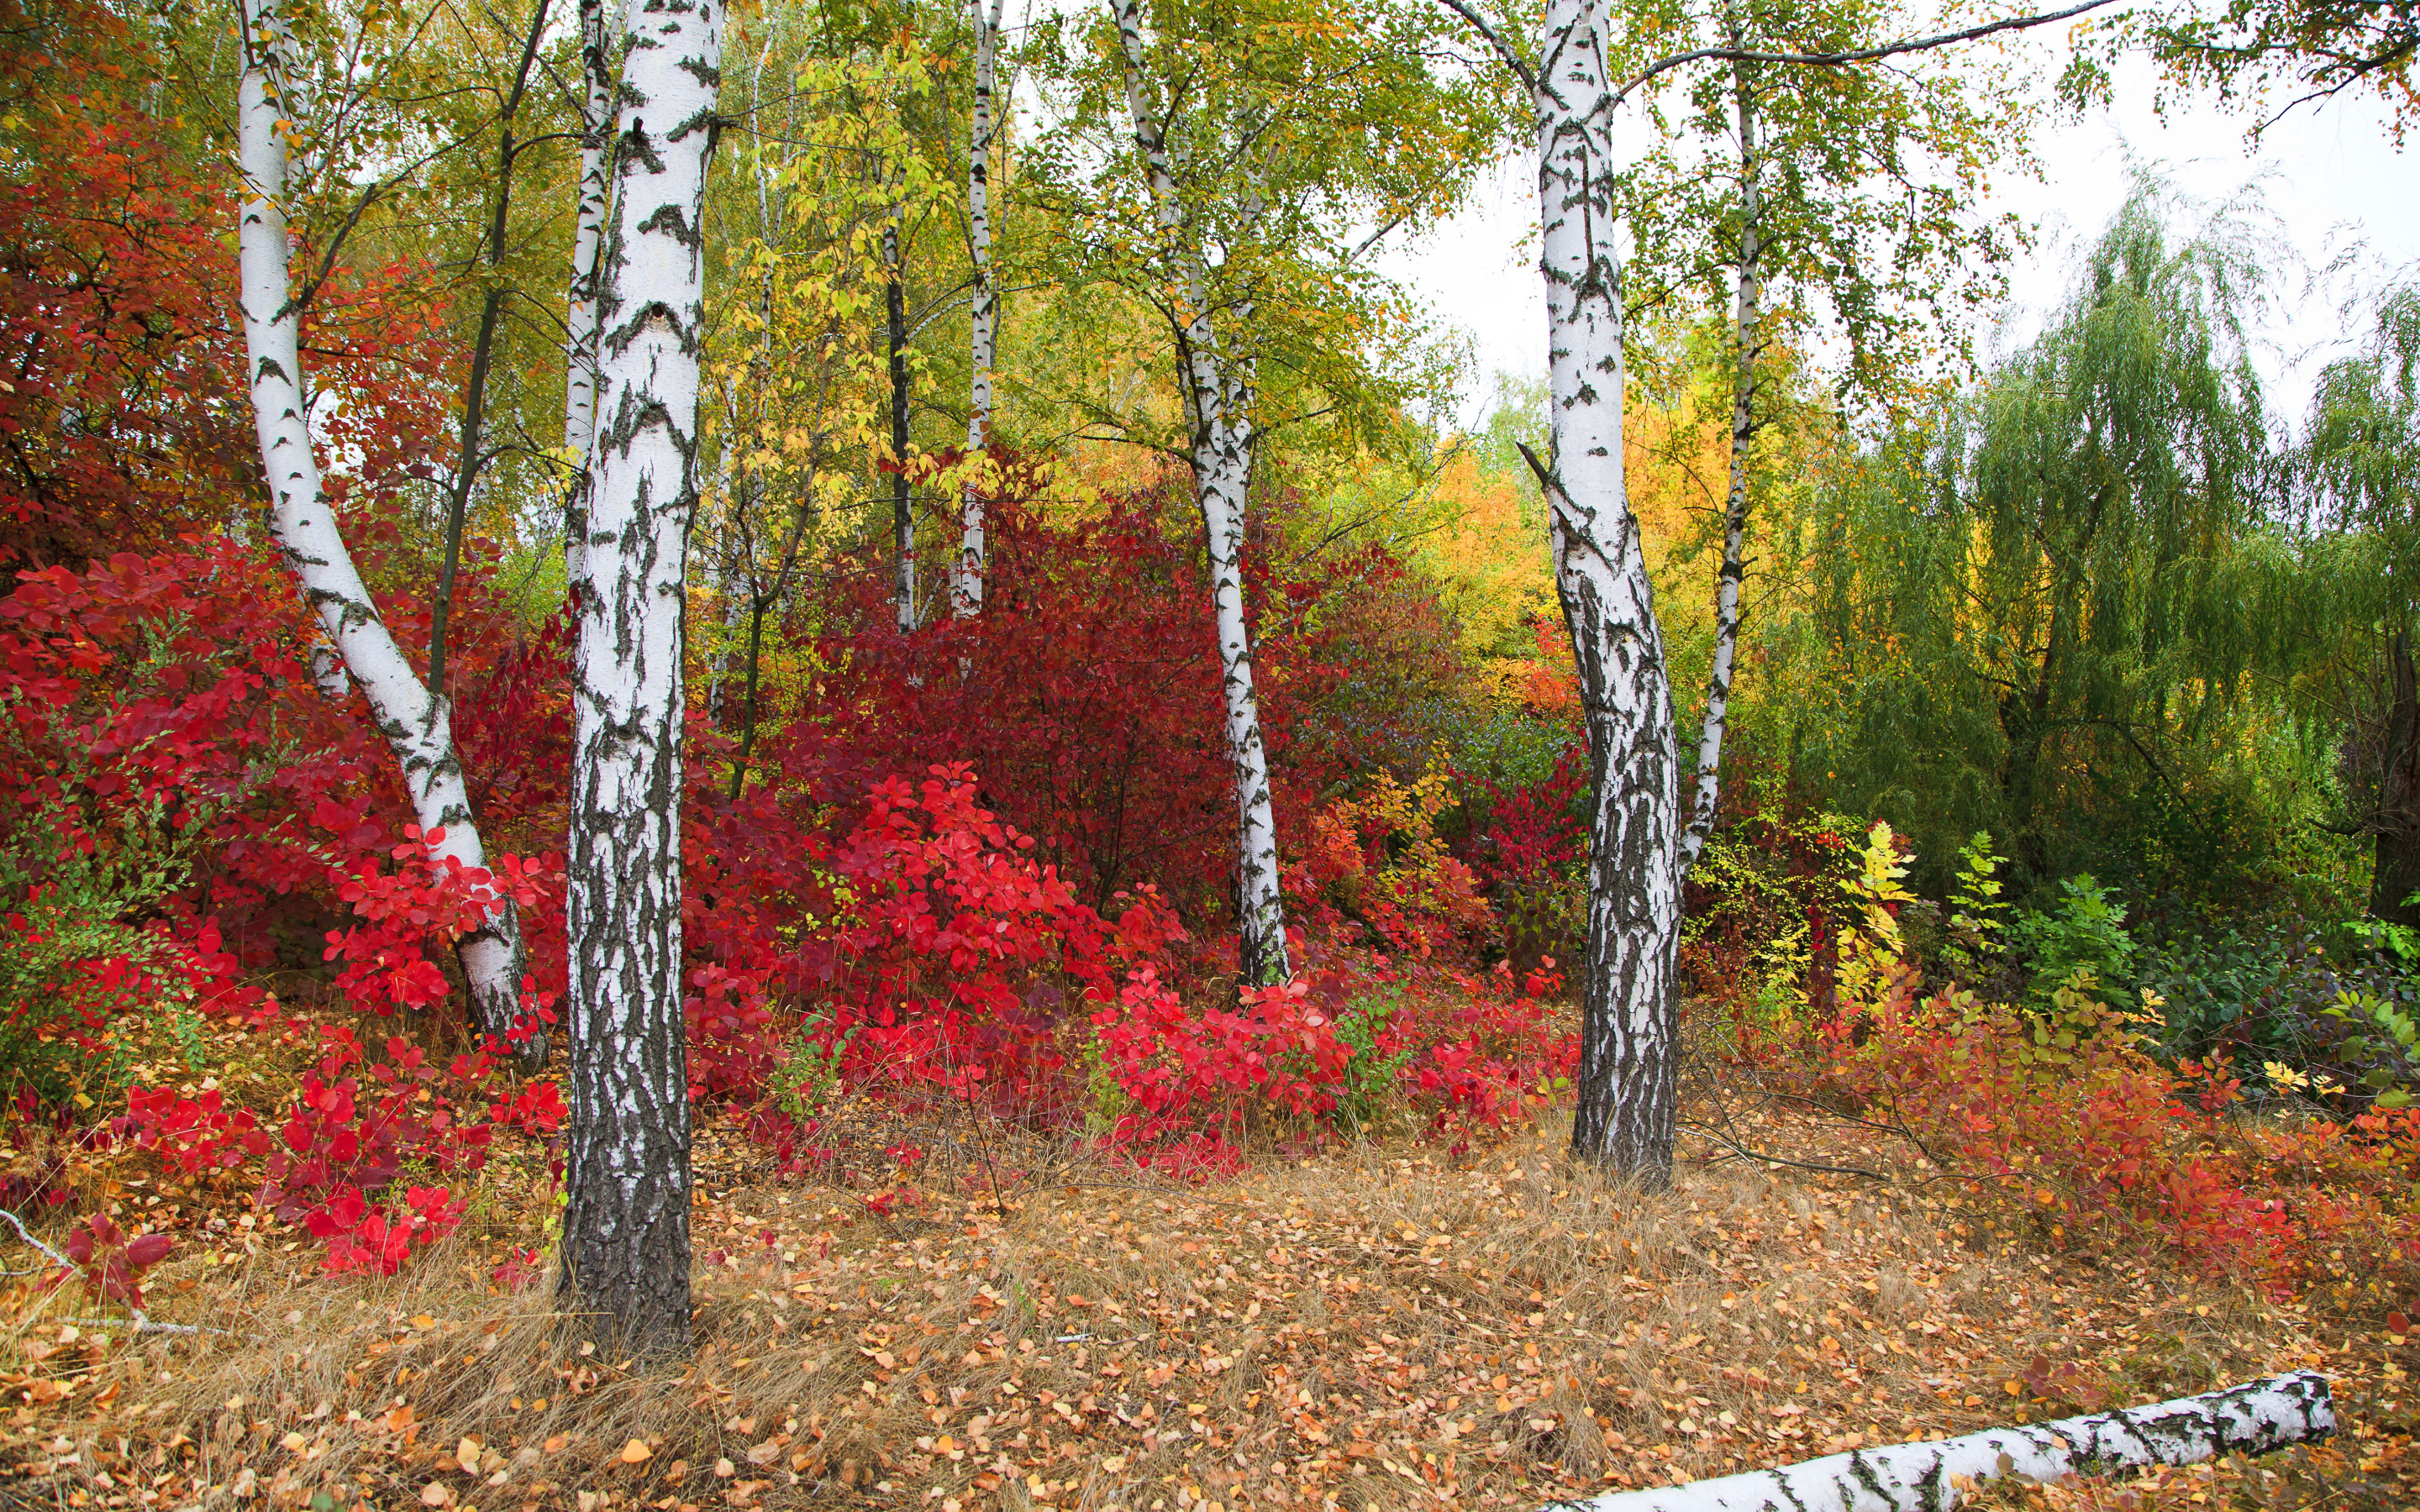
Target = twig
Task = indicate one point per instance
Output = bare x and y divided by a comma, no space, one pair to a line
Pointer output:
19,1224
1745,1154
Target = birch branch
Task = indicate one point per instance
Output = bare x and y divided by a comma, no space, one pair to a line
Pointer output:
1867,55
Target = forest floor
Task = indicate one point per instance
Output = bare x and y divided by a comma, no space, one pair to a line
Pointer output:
1391,1325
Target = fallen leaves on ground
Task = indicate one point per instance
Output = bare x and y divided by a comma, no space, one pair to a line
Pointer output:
1391,1327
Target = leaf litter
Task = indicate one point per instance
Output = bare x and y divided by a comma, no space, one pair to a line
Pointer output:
1390,1326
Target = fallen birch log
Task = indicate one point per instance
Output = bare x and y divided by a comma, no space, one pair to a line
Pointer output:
2252,1418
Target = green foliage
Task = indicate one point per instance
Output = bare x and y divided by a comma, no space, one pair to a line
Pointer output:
1369,1084
2387,937
2383,1031
2044,603
1977,919
1865,179
68,899
1873,951
2083,940
806,1078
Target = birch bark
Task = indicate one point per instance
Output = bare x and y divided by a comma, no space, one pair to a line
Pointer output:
580,317
2254,1418
1219,398
1748,346
417,727
966,582
626,1246
1628,1083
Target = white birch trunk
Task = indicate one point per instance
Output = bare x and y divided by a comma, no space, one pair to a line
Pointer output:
1223,458
1924,1477
1629,1025
580,317
417,726
1748,346
626,1230
966,582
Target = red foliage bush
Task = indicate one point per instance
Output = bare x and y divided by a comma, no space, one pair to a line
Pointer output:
2073,1135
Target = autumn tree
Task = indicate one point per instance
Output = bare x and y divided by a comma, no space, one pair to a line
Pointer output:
2047,581
1573,75
2351,622
1220,162
2273,56
415,718
1823,204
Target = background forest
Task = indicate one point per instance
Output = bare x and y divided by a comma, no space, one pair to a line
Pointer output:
1122,719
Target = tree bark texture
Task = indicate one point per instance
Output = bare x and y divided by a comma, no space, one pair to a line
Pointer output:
1218,401
967,582
1748,346
2256,1418
2396,874
416,725
579,316
626,1244
1630,1019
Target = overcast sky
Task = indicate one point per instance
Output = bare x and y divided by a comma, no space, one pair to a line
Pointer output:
2340,194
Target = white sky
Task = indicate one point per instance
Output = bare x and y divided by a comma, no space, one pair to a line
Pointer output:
2336,190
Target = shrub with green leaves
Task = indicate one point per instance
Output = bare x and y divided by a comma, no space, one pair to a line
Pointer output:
75,954
2086,932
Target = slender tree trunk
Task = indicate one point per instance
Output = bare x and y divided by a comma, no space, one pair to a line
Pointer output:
966,582
2024,731
626,1244
466,473
1747,348
417,725
2396,875
1222,437
1629,1025
469,459
903,515
580,319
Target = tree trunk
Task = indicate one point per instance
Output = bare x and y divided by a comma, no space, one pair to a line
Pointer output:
579,318
1218,403
1748,346
966,582
417,725
903,516
1630,1018
2254,1418
2396,876
626,1246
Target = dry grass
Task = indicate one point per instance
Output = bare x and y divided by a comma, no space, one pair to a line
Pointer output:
1387,1327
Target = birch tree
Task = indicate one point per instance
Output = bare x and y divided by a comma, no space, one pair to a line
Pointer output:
1216,161
1628,1084
1218,395
1823,204
414,720
967,582
587,245
626,1251
796,364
